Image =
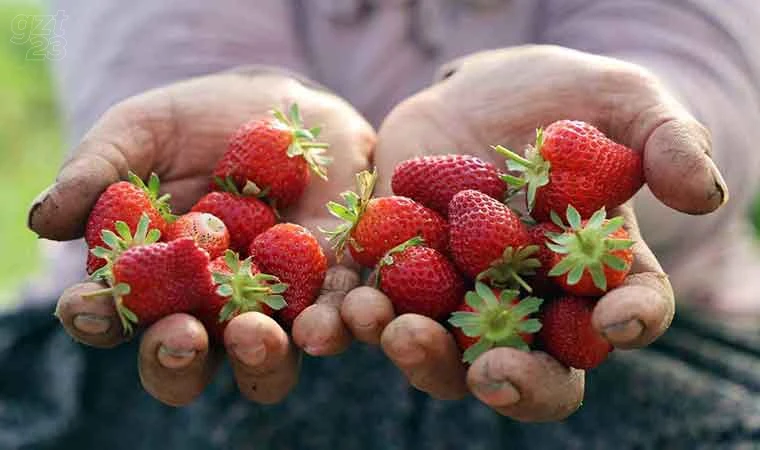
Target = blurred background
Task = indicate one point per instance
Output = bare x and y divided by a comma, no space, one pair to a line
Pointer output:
32,147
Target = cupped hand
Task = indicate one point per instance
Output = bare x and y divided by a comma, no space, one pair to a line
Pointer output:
179,132
501,97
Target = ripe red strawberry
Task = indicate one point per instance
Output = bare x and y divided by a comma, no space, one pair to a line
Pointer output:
245,217
488,241
154,280
291,253
420,280
240,288
542,284
125,201
208,232
567,333
589,257
373,226
274,155
574,163
494,318
434,180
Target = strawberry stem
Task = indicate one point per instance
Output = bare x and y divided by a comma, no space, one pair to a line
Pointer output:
506,271
350,213
304,141
587,248
497,322
533,169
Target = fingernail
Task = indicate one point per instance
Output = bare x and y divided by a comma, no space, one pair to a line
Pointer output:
408,354
624,331
251,355
719,184
174,358
314,350
498,393
36,204
91,324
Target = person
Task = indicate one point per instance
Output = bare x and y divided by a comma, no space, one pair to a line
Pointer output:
152,86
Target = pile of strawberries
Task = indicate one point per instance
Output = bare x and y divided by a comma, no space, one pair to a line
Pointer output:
447,246
228,255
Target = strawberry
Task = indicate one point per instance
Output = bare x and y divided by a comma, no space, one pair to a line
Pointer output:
274,156
494,318
291,253
488,241
373,226
208,232
540,281
240,288
125,201
574,163
434,180
589,257
153,280
419,280
567,333
245,217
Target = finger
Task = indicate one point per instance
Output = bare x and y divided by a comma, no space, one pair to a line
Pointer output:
174,361
642,308
530,387
677,149
264,360
367,311
319,330
427,355
92,320
124,138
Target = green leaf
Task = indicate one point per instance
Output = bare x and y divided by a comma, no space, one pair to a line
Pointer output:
153,236
597,219
556,248
100,252
562,267
486,294
128,314
123,230
613,225
477,349
529,326
224,290
275,302
110,239
556,219
614,262
220,278
474,300
527,306
513,180
597,275
232,260
279,288
573,217
532,188
618,244
341,212
575,274
228,311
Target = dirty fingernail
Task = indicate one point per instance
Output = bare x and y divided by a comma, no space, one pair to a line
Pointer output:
174,358
626,331
251,355
719,183
91,324
498,393
36,204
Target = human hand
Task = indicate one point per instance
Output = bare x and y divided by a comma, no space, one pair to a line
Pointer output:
179,132
501,97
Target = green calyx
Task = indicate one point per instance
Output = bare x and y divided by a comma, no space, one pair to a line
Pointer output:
350,213
587,248
116,244
533,169
244,291
152,189
304,142
388,260
507,271
250,189
497,322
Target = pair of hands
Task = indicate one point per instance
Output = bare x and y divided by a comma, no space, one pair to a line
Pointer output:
496,97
